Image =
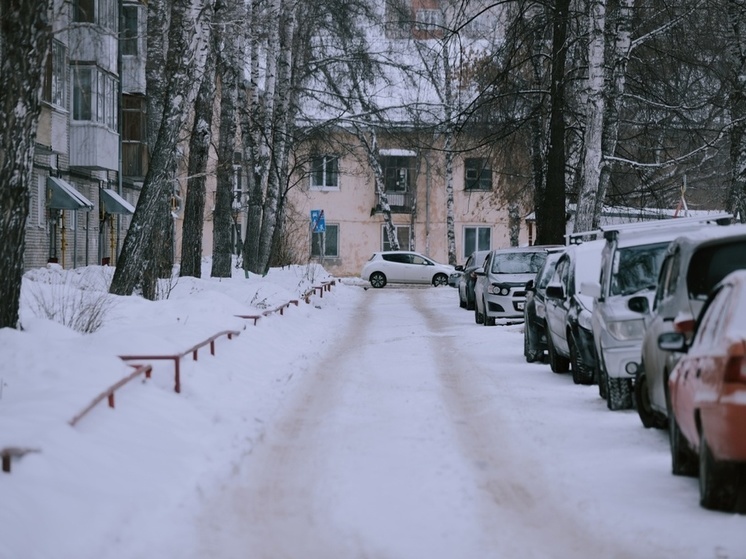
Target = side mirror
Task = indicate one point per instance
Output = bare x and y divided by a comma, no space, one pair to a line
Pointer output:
479,271
530,285
555,291
591,288
639,304
459,268
672,341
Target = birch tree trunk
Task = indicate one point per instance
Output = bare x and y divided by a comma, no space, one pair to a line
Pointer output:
138,250
251,140
615,98
25,33
736,203
228,67
591,171
199,151
448,148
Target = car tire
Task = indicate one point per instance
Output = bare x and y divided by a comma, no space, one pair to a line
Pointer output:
557,363
601,377
619,396
486,320
461,302
378,280
683,460
581,374
718,481
647,414
440,280
478,317
529,337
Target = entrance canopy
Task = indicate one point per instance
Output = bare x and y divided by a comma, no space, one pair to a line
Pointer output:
114,203
64,196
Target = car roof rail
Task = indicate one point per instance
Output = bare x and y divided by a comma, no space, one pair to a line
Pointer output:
611,232
582,236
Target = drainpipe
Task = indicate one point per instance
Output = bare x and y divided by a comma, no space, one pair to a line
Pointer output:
427,205
113,257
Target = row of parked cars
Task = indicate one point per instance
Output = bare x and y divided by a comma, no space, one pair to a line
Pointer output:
654,314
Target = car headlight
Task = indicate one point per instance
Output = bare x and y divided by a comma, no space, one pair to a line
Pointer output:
626,329
584,320
498,289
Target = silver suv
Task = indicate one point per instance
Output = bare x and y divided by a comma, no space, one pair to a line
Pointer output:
630,262
693,264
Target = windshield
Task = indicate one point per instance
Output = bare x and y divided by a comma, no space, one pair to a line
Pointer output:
636,268
518,262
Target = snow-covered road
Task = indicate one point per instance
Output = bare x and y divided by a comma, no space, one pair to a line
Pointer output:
417,434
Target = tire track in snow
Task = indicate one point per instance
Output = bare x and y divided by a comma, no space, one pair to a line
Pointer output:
527,519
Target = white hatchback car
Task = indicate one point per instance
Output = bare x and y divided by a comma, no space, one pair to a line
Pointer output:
404,267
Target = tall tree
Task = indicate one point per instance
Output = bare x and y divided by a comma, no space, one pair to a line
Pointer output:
229,65
736,54
25,36
199,150
140,246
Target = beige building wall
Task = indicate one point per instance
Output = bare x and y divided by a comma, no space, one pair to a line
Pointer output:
351,206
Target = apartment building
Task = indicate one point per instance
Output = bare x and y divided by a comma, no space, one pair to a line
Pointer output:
89,158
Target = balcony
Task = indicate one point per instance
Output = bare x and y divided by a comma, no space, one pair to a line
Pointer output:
400,202
93,146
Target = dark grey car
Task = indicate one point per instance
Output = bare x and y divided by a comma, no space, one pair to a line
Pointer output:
465,283
534,315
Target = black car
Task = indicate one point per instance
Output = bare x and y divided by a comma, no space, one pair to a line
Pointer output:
466,281
534,331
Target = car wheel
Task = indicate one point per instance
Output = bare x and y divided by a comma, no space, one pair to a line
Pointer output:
529,339
440,279
478,317
619,396
461,302
718,487
487,320
642,401
683,460
377,279
470,304
557,363
581,373
601,377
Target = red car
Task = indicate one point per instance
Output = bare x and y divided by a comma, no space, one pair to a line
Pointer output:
707,396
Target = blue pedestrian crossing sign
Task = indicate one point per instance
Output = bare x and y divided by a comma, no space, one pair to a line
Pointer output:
318,224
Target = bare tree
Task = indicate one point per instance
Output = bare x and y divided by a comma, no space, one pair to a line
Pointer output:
736,10
139,245
25,36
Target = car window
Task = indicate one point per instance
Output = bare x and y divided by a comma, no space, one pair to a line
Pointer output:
546,273
469,262
636,268
400,257
517,262
416,259
712,318
561,273
711,264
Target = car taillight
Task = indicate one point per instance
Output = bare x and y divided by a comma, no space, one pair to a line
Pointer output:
735,370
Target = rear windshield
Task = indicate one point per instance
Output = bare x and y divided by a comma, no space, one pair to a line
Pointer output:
636,268
518,262
711,264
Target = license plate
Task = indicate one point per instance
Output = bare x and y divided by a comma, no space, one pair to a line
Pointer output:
520,305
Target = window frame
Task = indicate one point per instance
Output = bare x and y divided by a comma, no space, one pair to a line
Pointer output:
386,246
329,169
99,102
482,181
477,241
55,76
129,43
392,167
316,249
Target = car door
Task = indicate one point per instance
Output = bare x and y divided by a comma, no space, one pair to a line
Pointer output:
420,269
481,281
398,270
686,379
556,308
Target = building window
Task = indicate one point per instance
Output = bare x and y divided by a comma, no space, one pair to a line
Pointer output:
55,76
477,238
402,235
330,240
477,174
134,147
129,30
95,96
428,20
324,172
397,173
84,11
103,12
